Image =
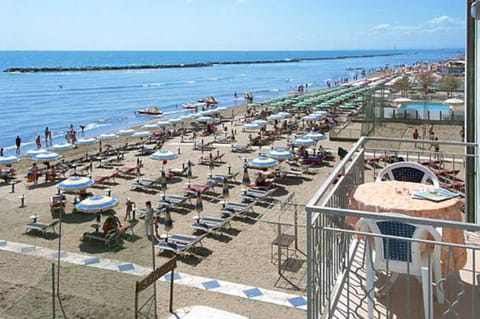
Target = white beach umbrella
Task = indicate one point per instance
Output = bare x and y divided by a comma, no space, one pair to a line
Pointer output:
274,117
453,101
127,132
142,134
6,160
107,136
252,126
186,117
150,126
86,141
62,147
163,123
47,157
206,119
284,114
260,122
175,121
402,100
35,152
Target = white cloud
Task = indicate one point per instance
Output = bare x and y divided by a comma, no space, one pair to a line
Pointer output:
238,2
382,26
437,24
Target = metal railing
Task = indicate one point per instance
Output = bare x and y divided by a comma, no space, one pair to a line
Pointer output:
334,277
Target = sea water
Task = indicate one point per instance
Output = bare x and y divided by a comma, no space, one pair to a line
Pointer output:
106,101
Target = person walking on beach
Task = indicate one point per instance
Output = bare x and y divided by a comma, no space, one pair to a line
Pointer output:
46,133
415,136
38,142
18,143
148,219
129,208
1,152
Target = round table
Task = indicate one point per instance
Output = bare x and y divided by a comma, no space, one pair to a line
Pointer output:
396,197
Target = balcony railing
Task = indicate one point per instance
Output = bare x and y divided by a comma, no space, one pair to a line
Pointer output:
336,262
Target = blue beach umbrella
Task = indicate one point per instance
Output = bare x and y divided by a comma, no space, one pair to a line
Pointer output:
62,147
168,223
280,154
246,178
262,162
310,118
284,114
75,183
47,157
276,116
96,204
86,141
315,136
163,155
6,160
303,142
35,152
199,204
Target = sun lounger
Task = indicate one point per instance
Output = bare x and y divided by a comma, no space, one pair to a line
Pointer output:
177,171
446,172
144,184
314,160
229,177
41,227
178,243
198,188
236,209
156,212
237,148
210,224
256,194
128,170
109,239
203,146
172,200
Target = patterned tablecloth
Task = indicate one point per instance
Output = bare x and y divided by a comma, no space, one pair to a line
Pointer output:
396,197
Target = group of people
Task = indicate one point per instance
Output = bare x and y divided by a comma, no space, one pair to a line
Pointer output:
431,136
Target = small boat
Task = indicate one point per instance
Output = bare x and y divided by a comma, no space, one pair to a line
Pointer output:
154,110
192,106
208,100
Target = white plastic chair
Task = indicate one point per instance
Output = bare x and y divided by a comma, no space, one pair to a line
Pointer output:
401,257
408,172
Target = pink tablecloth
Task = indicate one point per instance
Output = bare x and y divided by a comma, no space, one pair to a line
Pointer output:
396,197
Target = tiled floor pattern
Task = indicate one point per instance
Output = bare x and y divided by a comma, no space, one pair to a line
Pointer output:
219,286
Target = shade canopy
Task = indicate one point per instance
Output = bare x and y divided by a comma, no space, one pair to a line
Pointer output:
150,126
35,152
315,136
453,101
75,183
62,147
107,136
303,141
252,126
96,204
280,154
86,141
402,100
163,155
46,157
126,132
142,134
262,162
6,160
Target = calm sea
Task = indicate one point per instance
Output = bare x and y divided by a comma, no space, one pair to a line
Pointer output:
105,101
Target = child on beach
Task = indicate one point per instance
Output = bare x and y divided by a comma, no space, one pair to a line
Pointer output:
38,142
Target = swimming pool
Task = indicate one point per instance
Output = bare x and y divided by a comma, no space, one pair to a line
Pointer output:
422,110
421,107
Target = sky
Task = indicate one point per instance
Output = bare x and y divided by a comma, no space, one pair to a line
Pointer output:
231,24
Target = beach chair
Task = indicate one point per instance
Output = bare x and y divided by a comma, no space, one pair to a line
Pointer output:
172,200
192,190
401,256
127,170
313,160
177,171
41,227
209,224
111,238
237,148
178,243
145,184
408,172
234,209
254,195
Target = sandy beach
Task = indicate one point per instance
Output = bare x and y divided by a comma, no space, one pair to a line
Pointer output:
240,254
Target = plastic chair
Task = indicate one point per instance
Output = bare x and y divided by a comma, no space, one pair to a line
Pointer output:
402,257
408,172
